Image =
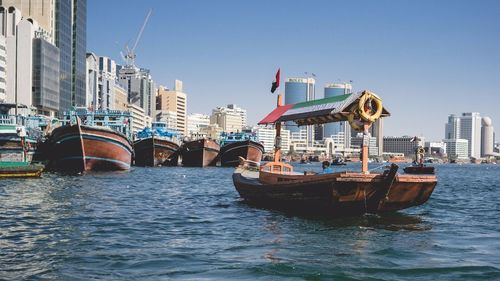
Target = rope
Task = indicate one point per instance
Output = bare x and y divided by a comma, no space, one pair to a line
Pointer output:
383,165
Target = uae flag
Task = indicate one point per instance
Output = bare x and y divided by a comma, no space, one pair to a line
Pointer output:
276,82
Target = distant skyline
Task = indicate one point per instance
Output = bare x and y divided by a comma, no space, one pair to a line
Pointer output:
426,59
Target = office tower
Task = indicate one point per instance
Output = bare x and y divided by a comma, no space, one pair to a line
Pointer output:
19,33
452,128
106,84
71,39
92,80
172,104
457,148
486,137
45,77
230,118
300,90
467,126
139,86
41,11
120,97
332,90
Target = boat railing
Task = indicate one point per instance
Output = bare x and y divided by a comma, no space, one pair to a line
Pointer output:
7,119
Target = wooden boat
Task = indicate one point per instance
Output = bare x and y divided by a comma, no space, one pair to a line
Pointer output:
15,145
156,147
199,153
275,185
155,151
20,169
419,169
81,148
235,145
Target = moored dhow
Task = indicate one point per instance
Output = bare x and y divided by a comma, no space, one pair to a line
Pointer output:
81,145
235,145
276,185
156,147
200,153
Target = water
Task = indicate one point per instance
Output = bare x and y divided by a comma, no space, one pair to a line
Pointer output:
189,224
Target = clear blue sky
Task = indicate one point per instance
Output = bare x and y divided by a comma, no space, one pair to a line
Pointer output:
426,59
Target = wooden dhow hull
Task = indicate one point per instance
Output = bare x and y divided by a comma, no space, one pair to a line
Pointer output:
155,151
12,149
80,148
337,194
200,153
247,149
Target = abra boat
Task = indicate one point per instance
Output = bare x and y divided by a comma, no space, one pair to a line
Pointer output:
235,145
200,153
91,141
418,167
276,185
156,147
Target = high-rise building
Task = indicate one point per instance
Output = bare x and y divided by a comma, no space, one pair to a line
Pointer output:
120,98
332,90
457,148
106,85
487,138
467,126
92,80
19,33
79,48
173,101
300,90
140,87
3,66
64,39
41,11
230,118
45,77
71,38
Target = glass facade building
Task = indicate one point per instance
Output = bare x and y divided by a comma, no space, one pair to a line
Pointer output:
79,49
300,90
332,90
63,41
71,38
45,76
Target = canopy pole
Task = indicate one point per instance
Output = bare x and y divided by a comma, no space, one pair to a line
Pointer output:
277,140
364,151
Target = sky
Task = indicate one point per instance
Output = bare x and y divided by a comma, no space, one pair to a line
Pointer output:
425,59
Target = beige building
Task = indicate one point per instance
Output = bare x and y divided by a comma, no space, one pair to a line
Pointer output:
173,101
121,102
42,11
230,118
138,118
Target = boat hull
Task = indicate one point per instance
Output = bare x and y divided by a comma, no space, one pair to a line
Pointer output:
154,151
338,194
200,153
248,149
77,148
12,149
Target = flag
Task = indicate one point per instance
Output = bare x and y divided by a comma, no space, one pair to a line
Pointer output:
276,82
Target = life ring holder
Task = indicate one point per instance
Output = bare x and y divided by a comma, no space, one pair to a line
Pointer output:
364,102
355,124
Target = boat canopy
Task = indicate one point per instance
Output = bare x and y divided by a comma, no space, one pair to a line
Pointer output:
332,109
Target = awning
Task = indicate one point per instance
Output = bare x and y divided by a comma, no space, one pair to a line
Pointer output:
332,109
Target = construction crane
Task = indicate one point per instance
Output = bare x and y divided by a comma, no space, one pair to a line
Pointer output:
129,56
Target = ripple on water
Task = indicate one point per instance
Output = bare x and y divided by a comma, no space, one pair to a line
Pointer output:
188,223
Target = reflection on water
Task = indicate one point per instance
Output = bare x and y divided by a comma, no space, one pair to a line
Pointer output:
178,224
